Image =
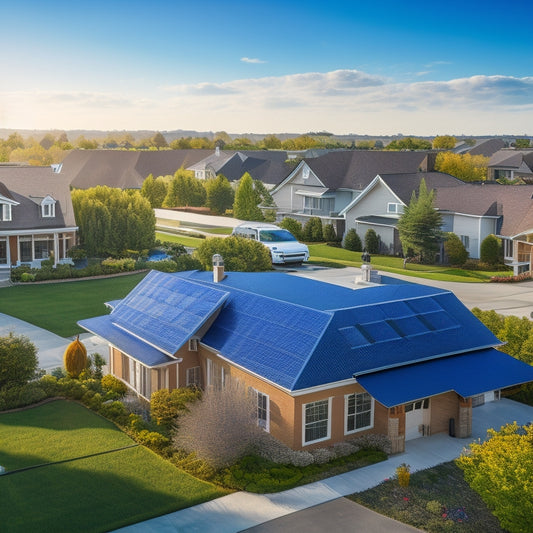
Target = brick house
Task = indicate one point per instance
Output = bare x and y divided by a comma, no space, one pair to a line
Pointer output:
326,362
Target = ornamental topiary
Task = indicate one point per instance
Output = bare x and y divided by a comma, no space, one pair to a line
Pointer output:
75,358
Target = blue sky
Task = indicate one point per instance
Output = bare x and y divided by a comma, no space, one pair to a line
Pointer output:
374,68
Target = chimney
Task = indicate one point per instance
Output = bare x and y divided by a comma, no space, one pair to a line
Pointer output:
217,151
218,268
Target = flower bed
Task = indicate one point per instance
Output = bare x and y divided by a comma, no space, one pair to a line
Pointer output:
510,279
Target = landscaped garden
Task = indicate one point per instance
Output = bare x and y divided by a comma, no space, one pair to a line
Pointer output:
71,488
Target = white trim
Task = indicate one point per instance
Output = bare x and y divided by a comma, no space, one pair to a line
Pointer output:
38,231
357,430
328,436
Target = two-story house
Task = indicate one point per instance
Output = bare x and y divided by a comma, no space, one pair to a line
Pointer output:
36,216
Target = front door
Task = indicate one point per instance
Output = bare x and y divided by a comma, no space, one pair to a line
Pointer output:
416,419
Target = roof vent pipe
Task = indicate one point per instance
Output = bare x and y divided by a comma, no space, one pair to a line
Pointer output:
218,268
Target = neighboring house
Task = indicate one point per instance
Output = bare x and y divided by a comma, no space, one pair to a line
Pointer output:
124,169
324,186
268,166
512,164
327,363
36,216
486,148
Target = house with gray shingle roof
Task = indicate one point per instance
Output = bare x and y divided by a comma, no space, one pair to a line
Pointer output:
326,363
36,216
511,164
324,186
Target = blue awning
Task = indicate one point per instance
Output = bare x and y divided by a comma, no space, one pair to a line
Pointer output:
467,374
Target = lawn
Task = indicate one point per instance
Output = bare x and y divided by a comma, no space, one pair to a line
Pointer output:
437,500
58,306
97,493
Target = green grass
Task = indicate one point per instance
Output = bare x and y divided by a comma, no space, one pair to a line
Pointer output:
443,484
192,242
91,494
58,306
324,254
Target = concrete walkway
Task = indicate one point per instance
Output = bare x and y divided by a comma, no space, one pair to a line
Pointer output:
242,510
50,347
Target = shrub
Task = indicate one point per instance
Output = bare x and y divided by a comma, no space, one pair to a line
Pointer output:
166,405
187,262
292,225
115,411
18,360
403,472
221,427
372,241
352,241
112,384
26,276
21,395
490,251
455,250
165,265
312,231
75,358
329,233
118,265
153,440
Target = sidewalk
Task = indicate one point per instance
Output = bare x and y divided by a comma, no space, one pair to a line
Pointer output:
242,510
50,347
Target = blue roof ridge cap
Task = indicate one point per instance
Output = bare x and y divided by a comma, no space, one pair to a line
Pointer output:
441,292
311,352
422,360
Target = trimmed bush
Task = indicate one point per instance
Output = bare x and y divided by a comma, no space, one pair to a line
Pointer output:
455,250
75,358
292,225
113,385
352,241
490,251
372,241
312,231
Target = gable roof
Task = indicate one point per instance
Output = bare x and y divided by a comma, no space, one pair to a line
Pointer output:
124,169
355,169
29,186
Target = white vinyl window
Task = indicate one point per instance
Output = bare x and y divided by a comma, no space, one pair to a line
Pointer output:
48,207
316,421
263,408
6,212
394,207
359,410
193,376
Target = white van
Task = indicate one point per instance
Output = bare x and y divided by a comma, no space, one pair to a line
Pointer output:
282,244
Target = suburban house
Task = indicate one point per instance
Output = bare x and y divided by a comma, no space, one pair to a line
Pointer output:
267,166
470,210
484,147
324,186
326,363
512,164
124,169
36,216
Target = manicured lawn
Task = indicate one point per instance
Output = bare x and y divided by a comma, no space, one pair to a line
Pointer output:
454,506
192,242
322,253
98,493
58,306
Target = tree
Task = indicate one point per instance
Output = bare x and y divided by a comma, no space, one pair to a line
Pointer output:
312,230
522,143
185,190
222,426
455,250
247,200
419,225
329,233
371,241
490,250
166,405
409,143
444,142
352,241
220,194
159,141
271,142
18,360
154,190
466,167
499,470
75,358
239,254
292,225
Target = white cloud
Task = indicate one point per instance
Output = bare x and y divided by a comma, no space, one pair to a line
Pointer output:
252,60
340,101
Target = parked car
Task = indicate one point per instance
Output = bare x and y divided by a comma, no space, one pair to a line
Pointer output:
282,244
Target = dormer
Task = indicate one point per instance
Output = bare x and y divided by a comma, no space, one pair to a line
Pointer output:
48,207
6,204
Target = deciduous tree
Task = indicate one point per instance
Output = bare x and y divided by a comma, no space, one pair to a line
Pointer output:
220,194
444,142
247,200
18,360
466,167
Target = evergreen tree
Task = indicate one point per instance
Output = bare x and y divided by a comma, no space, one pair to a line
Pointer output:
490,251
185,190
419,226
154,190
371,241
220,194
352,241
246,202
312,231
455,250
292,225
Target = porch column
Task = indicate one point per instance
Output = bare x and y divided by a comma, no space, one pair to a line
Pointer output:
56,248
396,429
464,425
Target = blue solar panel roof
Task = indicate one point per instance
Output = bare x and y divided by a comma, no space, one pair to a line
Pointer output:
467,374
